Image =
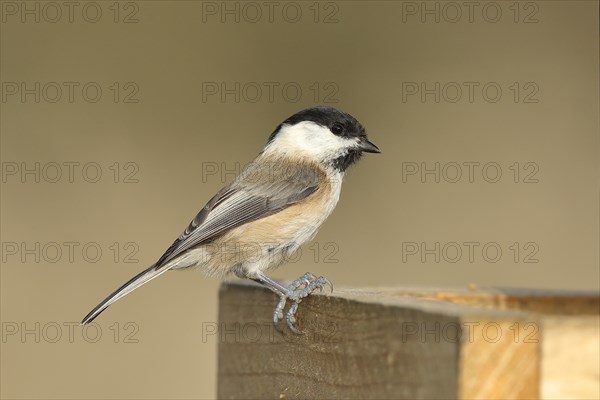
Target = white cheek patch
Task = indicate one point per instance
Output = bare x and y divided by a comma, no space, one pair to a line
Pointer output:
311,140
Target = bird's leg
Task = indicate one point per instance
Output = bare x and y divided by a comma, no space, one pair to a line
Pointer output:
295,292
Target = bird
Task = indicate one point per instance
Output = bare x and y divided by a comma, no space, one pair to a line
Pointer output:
277,203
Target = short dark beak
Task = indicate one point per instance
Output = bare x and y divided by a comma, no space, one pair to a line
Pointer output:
368,147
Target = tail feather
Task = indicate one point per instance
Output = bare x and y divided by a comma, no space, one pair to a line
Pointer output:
143,277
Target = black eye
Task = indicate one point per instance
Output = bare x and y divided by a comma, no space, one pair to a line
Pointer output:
337,129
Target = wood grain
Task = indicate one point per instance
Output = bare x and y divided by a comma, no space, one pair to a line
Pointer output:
375,344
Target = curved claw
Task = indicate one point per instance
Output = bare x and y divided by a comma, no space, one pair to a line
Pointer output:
308,278
277,327
328,282
291,318
295,295
278,314
322,281
294,330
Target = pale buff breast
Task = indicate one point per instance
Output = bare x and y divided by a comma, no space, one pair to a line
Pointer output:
262,244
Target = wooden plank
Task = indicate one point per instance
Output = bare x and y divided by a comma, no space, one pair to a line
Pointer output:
368,344
548,302
571,358
570,321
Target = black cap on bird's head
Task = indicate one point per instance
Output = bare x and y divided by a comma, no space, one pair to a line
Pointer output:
342,125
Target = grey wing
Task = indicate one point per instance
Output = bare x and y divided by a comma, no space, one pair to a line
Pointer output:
254,195
241,202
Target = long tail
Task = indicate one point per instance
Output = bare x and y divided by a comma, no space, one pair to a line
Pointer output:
143,277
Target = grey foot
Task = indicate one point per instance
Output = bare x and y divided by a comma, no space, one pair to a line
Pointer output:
295,292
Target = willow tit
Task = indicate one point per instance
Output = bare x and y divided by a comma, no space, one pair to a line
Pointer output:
276,204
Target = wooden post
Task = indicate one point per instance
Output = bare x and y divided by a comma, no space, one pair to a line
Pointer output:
403,344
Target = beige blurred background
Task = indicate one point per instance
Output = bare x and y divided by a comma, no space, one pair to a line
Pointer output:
158,128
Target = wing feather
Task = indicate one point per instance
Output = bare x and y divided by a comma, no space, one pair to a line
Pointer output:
261,190
243,201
